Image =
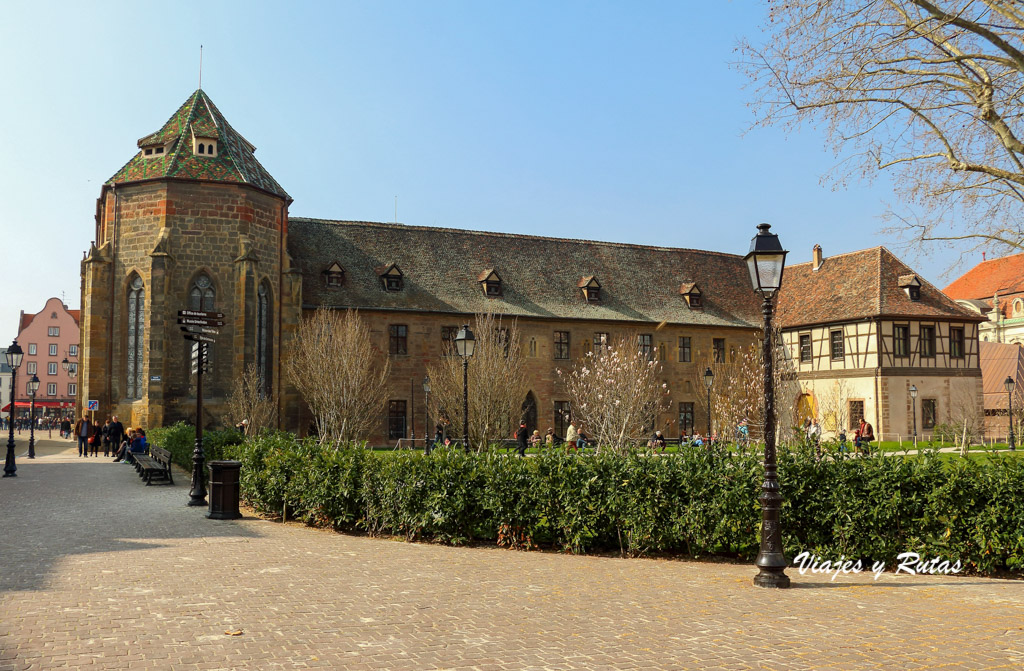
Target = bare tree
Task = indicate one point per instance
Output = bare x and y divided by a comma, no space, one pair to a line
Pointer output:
340,374
616,392
497,383
928,89
833,398
250,402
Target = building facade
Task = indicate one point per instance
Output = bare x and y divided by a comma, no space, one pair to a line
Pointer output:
47,338
193,221
5,384
995,291
861,329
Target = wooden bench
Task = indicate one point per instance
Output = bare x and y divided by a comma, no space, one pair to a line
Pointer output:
155,465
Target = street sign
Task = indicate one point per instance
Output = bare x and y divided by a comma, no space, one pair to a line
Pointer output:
201,314
198,337
200,329
199,321
93,405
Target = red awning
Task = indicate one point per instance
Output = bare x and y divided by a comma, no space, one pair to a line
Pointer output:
39,404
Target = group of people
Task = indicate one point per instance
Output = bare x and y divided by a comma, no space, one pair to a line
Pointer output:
111,436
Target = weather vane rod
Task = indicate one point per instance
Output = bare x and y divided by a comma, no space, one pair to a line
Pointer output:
200,66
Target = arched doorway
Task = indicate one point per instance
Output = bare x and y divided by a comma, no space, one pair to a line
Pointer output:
530,412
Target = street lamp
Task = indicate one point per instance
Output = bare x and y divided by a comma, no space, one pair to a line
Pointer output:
465,345
66,365
14,356
33,387
426,414
913,408
709,379
766,261
1008,384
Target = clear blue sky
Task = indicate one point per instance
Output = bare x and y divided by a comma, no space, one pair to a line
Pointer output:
604,120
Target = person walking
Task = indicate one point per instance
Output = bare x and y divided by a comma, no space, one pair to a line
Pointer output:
83,429
116,435
570,436
521,435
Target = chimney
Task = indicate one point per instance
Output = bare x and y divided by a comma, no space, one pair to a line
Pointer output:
816,253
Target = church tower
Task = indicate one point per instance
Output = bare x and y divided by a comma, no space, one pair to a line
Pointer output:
192,221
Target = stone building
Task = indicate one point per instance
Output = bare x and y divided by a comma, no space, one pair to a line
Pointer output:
193,221
994,289
861,329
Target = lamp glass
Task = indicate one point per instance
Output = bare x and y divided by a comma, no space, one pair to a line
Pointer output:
709,377
465,342
1008,383
426,384
913,391
766,261
65,364
33,385
14,355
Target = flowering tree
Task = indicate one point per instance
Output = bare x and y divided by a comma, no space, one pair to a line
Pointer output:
497,383
339,373
616,393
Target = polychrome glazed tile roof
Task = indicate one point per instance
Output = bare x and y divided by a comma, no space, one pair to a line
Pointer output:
234,161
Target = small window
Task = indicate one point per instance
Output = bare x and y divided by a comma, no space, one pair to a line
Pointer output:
901,341
73,369
685,418
956,342
393,283
646,346
159,150
448,334
593,294
53,349
929,408
396,419
73,350
399,339
51,389
561,344
149,152
31,349
836,348
600,342
805,348
72,389
856,413
533,347
51,368
202,148
718,350
492,288
684,349
662,349
30,368
928,341
591,288
695,301
914,292
53,331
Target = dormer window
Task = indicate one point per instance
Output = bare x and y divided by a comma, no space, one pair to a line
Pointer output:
591,289
148,152
391,277
691,294
911,285
202,146
491,283
334,276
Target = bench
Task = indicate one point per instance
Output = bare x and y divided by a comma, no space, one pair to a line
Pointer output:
155,465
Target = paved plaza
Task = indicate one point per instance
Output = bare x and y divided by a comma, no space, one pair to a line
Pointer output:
99,571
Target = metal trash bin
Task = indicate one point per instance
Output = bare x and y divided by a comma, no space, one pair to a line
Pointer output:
224,490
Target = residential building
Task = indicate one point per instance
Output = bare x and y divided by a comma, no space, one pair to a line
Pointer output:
5,384
46,339
995,290
861,329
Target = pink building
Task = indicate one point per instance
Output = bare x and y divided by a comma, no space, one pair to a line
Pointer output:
47,338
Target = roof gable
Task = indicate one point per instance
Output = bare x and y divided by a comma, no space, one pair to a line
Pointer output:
199,117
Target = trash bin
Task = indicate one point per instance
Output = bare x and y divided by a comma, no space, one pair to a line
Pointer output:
224,490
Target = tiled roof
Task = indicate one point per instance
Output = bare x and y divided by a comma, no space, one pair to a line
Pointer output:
1005,275
999,361
26,319
234,161
75,314
858,285
539,275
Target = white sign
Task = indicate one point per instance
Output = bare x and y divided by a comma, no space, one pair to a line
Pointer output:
93,405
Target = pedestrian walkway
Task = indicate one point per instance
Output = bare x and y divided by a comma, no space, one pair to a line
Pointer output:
99,571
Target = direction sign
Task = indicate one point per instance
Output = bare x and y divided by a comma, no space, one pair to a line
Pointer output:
199,321
201,314
200,329
198,337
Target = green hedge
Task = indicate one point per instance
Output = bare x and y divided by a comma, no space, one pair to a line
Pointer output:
180,440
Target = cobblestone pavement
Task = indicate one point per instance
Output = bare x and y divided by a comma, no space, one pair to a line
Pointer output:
99,571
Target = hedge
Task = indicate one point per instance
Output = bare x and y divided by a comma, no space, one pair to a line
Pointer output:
180,440
695,503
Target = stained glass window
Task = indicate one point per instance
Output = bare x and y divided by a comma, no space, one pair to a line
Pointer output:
136,339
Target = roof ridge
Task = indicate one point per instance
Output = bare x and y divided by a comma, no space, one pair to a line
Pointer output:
227,130
836,256
500,234
173,162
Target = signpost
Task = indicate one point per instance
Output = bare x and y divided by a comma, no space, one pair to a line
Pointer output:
199,327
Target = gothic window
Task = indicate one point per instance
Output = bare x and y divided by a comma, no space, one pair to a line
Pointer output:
202,294
202,148
136,333
263,336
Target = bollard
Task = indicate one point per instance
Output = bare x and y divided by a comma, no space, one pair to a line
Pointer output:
224,490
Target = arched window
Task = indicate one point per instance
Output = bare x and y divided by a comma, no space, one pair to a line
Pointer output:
202,294
263,335
202,148
136,333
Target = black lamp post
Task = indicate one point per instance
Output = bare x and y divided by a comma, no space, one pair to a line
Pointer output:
465,345
33,387
913,407
426,413
1008,384
766,261
709,379
14,357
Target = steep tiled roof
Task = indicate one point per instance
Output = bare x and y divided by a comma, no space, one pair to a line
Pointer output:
539,275
1005,275
999,361
858,285
234,161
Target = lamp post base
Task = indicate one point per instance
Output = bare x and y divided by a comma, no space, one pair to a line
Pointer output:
771,578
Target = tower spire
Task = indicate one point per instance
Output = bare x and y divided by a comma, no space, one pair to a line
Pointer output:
200,66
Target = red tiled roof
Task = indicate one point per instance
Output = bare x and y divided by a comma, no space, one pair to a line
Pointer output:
859,285
26,319
75,314
1005,275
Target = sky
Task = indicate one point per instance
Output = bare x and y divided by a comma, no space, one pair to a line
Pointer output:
614,121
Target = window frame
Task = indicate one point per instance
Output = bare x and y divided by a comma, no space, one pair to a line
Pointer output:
686,417
30,368
855,417
926,345
51,368
900,341
51,388
53,331
72,388
32,349
926,415
718,350
394,405
645,345
684,352
601,341
806,354
836,348
957,345
72,350
560,343
448,334
398,339
53,349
